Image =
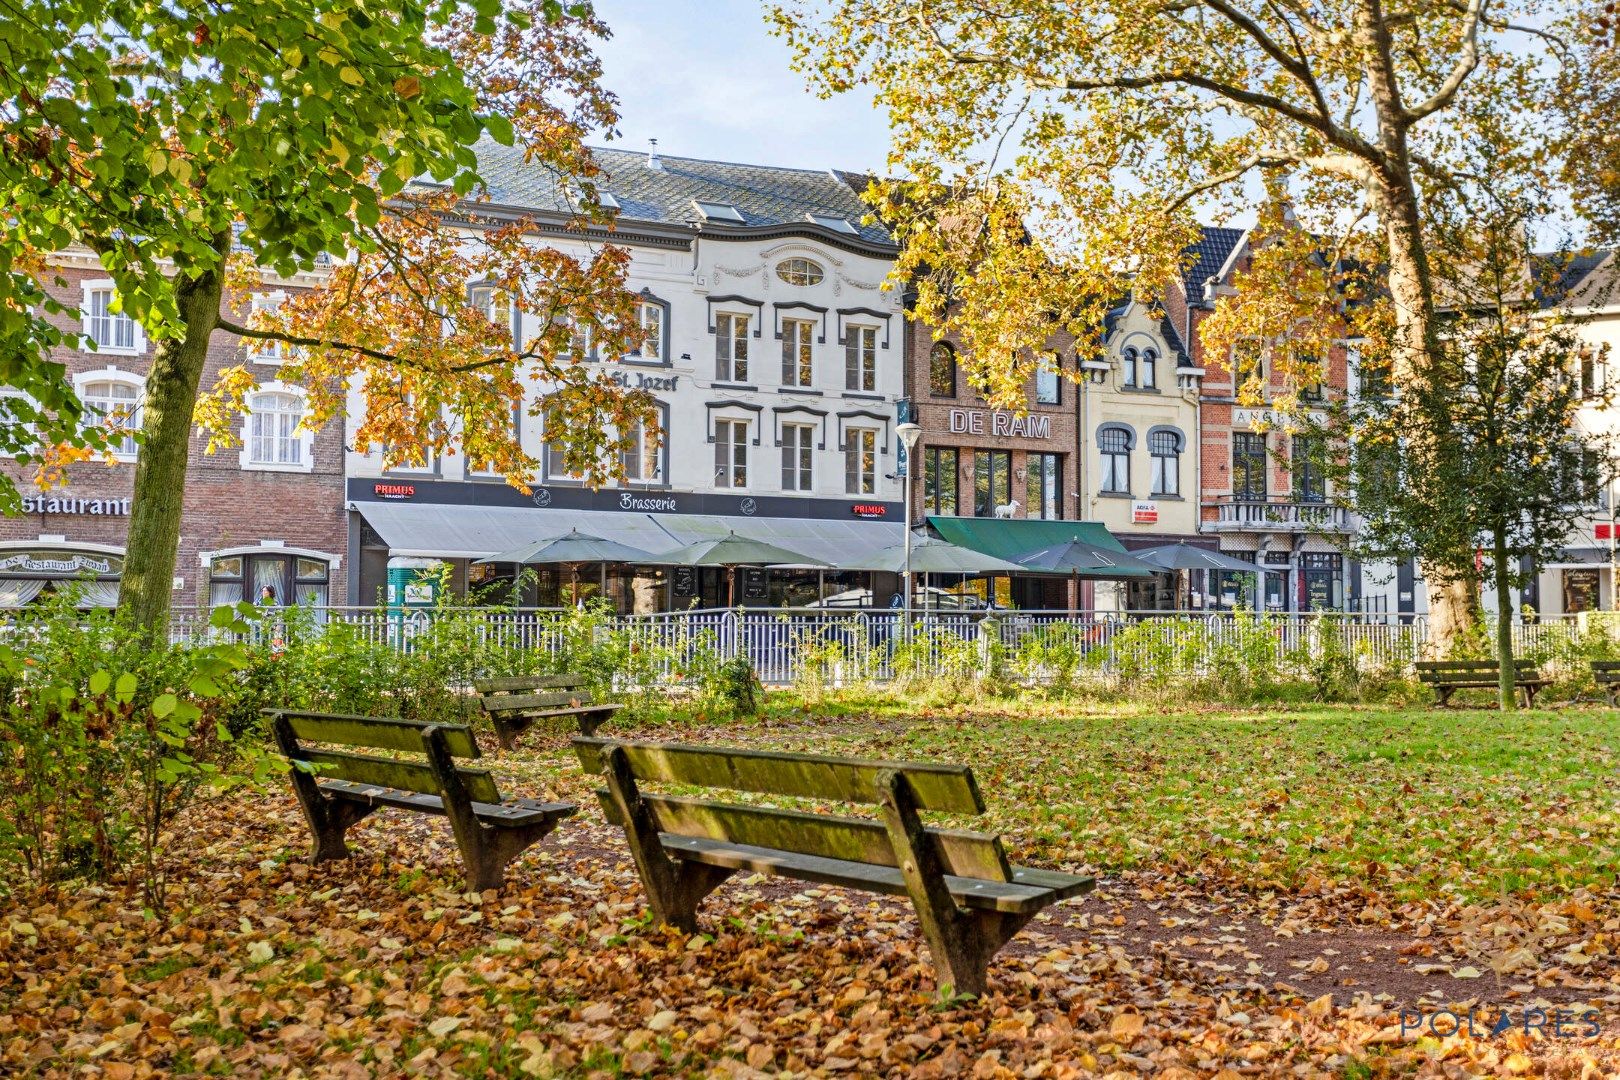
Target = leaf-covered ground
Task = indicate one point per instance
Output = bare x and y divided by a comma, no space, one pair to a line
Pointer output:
1275,890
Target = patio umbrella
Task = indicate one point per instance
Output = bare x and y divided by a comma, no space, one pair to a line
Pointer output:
731,551
1184,556
931,555
571,549
1078,559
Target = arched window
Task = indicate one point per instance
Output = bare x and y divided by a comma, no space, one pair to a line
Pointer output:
113,400
942,370
1114,443
800,271
1128,361
272,438
1164,444
1147,376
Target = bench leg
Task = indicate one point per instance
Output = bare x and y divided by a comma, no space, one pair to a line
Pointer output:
329,819
507,732
675,887
962,942
589,722
485,849
1442,695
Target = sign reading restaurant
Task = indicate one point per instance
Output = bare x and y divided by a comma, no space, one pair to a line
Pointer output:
63,503
972,422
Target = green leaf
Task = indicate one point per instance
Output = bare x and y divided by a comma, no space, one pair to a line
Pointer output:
499,128
204,686
99,682
164,705
124,689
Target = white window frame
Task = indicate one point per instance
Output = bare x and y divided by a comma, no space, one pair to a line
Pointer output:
1047,375
305,437
115,375
107,285
642,458
798,440
264,350
860,477
653,347
731,453
798,343
1165,464
730,330
860,358
484,298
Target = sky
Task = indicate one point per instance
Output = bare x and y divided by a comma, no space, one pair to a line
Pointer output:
707,80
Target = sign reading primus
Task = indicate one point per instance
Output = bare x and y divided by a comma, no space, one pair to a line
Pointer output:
971,422
71,504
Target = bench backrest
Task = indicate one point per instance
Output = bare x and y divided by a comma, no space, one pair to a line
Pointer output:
948,788
1469,667
1606,665
526,693
294,728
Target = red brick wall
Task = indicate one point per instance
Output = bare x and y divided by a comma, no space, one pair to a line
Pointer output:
225,505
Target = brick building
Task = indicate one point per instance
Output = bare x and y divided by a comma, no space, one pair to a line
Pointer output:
267,515
1259,507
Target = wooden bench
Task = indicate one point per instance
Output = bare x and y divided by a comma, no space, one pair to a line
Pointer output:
514,703
1446,677
969,900
345,788
1606,673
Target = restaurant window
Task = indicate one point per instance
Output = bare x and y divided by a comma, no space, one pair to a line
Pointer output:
269,578
274,439
1309,483
1374,378
1235,589
1247,362
640,457
493,304
1248,465
483,466
860,358
111,331
992,481
265,350
797,336
1580,590
650,316
731,347
114,402
731,453
556,450
1048,383
1043,486
940,464
1321,582
942,370
798,457
1114,444
1165,448
860,461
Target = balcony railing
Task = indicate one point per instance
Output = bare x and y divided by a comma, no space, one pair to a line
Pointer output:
1237,514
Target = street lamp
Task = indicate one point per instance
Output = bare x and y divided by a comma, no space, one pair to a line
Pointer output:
909,433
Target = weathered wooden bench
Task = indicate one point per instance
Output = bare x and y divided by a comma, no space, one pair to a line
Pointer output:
969,900
1446,677
345,787
1606,673
514,703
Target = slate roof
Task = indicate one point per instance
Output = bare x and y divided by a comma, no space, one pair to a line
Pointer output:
1560,276
765,195
1215,245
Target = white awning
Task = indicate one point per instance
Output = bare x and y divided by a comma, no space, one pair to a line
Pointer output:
472,532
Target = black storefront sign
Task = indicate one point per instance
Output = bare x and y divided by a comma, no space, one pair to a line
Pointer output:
638,501
754,584
684,581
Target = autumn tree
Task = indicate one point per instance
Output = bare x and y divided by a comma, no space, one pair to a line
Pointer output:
1048,157
194,147
1513,468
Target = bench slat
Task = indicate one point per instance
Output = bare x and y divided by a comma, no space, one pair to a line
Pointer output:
526,682
860,840
382,733
1008,897
525,702
948,788
392,773
512,813
1468,665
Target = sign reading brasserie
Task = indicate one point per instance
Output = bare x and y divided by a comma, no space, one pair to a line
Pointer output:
972,422
63,503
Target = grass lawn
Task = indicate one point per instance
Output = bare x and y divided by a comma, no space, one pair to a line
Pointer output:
1274,886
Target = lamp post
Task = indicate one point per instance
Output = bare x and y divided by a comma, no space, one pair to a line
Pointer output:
909,433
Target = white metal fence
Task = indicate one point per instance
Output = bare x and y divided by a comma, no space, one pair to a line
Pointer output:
844,646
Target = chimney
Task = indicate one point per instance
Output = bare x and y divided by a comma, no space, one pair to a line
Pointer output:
652,157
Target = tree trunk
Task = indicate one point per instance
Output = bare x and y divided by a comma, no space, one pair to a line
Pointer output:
160,469
1504,620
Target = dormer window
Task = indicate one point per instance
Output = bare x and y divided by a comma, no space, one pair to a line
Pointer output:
800,271
836,224
713,211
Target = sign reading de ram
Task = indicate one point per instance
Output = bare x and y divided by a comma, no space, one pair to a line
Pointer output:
997,422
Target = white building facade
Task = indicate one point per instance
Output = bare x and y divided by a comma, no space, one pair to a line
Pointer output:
774,353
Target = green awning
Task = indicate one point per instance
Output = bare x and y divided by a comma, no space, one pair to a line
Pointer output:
1009,538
